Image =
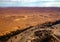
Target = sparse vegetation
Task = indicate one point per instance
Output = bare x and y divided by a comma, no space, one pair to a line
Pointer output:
49,24
4,38
24,17
7,36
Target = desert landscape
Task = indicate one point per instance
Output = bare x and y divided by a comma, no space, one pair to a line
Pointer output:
20,18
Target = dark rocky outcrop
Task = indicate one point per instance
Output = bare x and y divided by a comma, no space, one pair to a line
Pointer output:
4,38
13,33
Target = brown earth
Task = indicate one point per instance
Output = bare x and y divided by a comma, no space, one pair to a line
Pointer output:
12,19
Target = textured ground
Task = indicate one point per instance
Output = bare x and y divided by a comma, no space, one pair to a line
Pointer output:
39,33
12,19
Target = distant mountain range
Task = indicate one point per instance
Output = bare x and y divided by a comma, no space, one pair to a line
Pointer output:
28,9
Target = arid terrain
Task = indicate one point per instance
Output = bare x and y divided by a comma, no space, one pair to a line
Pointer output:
12,19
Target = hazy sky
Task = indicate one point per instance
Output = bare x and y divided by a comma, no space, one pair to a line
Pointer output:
30,3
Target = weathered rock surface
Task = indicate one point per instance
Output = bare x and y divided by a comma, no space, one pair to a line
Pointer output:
39,33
